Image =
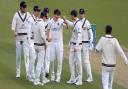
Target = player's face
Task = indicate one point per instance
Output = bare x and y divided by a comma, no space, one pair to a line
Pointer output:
37,13
72,17
23,9
82,16
57,17
47,16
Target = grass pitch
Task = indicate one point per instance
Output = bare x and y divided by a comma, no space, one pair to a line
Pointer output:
100,12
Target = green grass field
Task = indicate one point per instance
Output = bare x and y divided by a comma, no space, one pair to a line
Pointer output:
99,12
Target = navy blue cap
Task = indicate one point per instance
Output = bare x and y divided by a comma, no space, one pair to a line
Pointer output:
74,13
36,8
46,10
81,11
23,4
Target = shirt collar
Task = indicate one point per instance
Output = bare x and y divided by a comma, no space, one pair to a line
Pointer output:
82,19
76,20
21,13
107,35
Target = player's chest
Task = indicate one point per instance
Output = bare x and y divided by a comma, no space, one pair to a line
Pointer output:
56,26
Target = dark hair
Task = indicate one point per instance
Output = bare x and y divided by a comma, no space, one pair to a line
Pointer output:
57,12
23,4
108,29
74,13
36,8
46,9
81,11
43,14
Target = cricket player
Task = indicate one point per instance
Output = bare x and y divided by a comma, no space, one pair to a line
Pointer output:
31,23
75,49
46,61
109,46
47,56
20,30
40,43
87,39
55,26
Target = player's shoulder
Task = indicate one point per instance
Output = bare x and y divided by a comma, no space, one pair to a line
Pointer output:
28,13
40,21
78,23
61,20
87,22
16,13
50,21
30,18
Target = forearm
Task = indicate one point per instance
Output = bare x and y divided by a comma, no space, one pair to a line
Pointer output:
91,35
69,23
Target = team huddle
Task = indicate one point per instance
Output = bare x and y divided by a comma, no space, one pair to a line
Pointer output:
41,38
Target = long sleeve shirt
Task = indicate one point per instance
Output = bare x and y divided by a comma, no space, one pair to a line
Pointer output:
108,46
76,32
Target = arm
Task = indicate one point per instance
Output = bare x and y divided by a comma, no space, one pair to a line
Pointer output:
69,23
49,35
91,35
65,25
29,28
42,32
49,32
90,31
14,26
99,46
120,51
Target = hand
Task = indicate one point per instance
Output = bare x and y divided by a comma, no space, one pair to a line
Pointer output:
126,63
91,46
49,39
46,45
15,34
75,49
64,18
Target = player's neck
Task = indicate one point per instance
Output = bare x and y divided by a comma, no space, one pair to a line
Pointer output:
82,18
22,12
75,19
55,19
45,19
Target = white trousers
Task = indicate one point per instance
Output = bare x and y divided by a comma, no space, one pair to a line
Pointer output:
86,61
107,77
19,46
56,50
75,58
40,62
32,54
47,59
